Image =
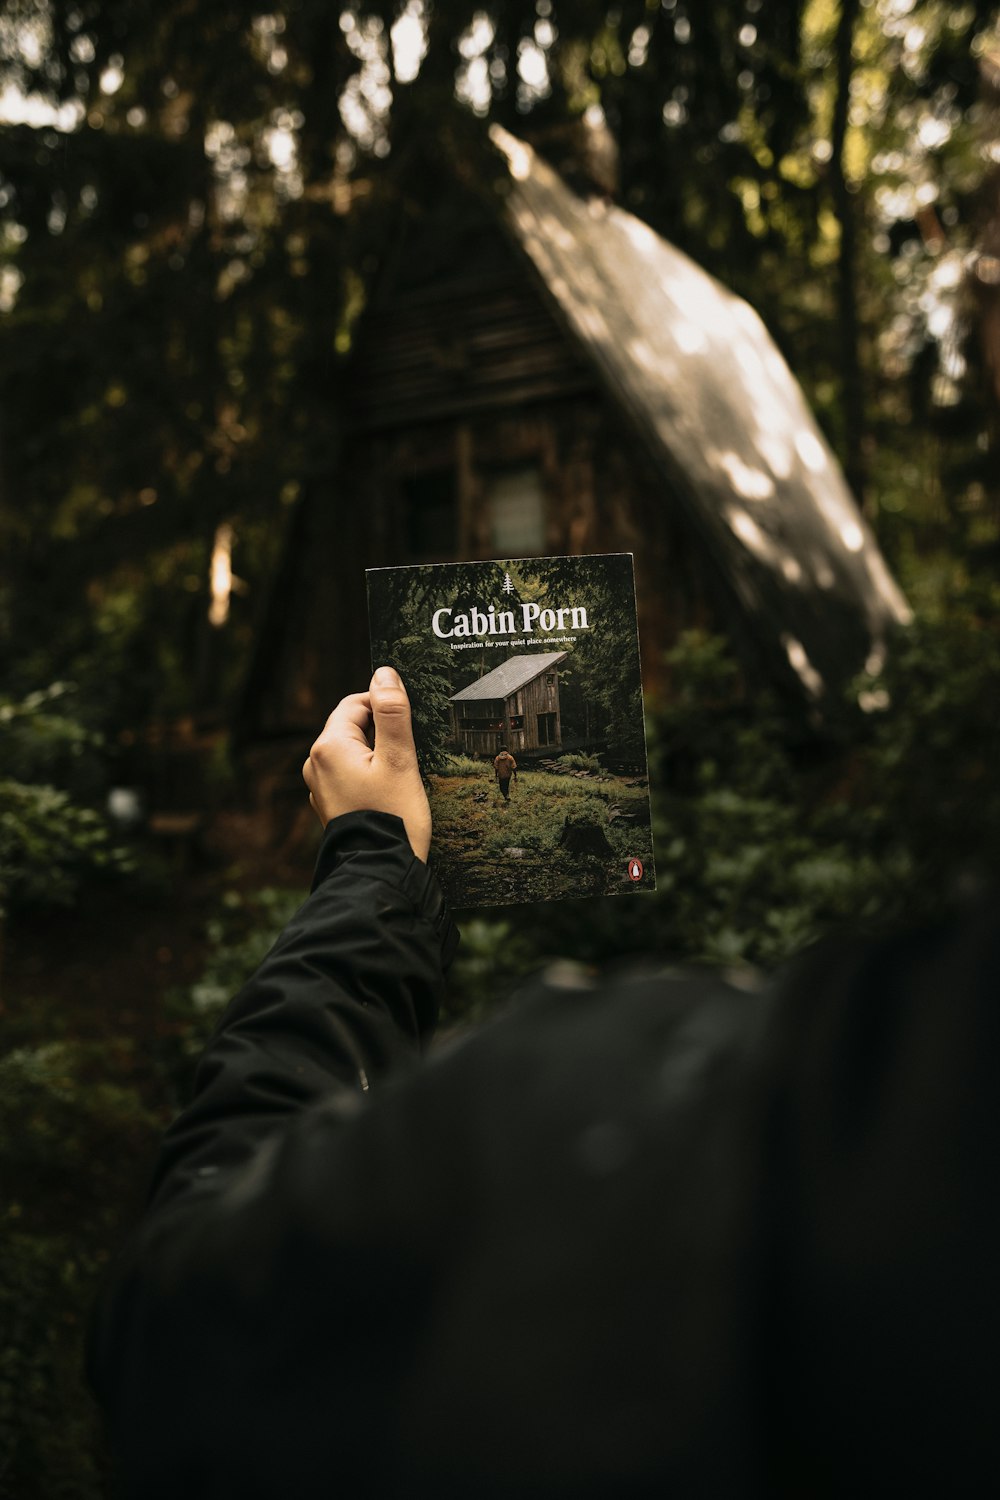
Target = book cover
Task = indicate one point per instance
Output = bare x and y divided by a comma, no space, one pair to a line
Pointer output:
524,682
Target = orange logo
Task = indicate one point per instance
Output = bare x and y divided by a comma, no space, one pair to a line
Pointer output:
635,869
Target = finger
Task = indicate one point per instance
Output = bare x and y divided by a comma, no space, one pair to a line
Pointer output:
351,719
391,713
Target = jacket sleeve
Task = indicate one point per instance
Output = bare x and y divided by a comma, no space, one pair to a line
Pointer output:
343,1001
349,992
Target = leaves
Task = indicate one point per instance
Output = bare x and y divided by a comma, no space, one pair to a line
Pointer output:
188,253
48,838
74,1154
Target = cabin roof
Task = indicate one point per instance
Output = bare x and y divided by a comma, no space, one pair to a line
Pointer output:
514,673
693,368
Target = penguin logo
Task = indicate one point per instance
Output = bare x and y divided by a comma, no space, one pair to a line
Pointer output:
635,869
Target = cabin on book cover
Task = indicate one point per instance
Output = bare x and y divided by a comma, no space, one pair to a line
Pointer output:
514,707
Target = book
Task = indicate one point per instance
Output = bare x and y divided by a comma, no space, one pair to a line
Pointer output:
525,689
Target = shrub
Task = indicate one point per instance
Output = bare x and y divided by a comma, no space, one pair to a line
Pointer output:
239,935
573,761
49,837
75,1151
463,765
765,836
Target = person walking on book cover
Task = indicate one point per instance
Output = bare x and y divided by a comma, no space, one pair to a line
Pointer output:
504,767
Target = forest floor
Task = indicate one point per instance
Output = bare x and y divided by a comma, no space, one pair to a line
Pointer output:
492,852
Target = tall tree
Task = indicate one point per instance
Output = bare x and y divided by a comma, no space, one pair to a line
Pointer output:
845,206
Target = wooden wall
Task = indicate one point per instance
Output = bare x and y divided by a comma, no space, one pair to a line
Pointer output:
536,698
462,372
540,697
487,712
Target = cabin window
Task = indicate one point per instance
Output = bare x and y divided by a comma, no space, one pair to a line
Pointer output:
515,501
546,729
482,713
517,721
430,521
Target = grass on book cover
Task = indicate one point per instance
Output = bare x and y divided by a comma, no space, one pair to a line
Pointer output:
524,682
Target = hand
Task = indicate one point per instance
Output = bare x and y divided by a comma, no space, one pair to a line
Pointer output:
364,761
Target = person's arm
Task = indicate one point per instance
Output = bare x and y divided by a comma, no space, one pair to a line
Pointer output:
346,996
351,987
349,993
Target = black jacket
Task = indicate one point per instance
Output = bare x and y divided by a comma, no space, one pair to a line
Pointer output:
658,1235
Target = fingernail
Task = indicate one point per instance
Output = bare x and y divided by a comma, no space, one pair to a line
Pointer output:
386,677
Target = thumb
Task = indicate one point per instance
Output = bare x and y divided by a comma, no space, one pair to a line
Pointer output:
391,715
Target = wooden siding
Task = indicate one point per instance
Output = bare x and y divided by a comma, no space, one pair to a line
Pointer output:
536,701
539,699
500,348
471,334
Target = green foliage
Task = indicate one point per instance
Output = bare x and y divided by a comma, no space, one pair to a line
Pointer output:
475,836
48,841
601,675
463,765
76,1144
239,935
576,762
418,663
491,957
927,773
75,1147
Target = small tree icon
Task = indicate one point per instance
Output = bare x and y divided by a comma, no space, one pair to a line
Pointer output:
508,584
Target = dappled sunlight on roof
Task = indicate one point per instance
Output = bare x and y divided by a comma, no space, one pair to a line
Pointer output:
748,531
799,660
519,156
690,339
592,322
643,355
751,483
882,579
645,240
722,414
811,451
776,452
695,295
750,360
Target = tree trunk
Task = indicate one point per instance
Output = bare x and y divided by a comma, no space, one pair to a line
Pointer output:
985,274
844,202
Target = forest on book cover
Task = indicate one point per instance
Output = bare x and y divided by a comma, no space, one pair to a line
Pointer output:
577,816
